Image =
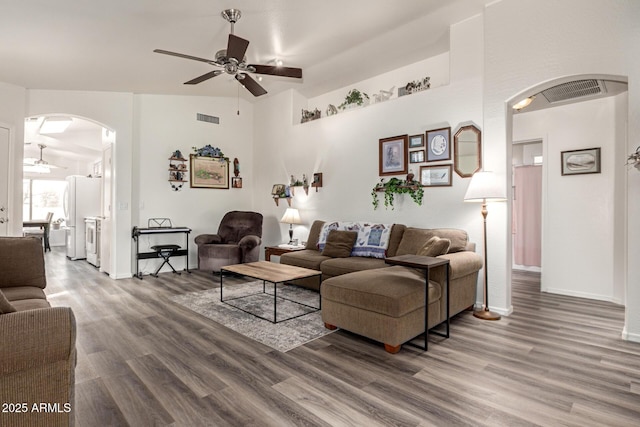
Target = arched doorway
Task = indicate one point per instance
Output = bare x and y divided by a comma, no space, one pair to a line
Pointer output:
76,146
584,217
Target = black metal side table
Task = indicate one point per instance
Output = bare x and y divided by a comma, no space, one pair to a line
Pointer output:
425,263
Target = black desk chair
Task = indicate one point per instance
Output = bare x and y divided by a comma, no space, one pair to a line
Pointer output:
165,252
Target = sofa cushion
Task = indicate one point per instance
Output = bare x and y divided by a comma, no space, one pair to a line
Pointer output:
396,237
414,238
5,305
395,293
337,266
372,241
18,293
339,243
22,261
306,258
314,235
30,304
434,247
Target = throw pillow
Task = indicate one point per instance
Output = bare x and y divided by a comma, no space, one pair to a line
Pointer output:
434,247
5,305
339,243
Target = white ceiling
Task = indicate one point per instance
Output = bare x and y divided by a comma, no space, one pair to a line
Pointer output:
108,45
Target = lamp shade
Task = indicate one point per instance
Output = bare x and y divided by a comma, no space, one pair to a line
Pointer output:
291,216
485,186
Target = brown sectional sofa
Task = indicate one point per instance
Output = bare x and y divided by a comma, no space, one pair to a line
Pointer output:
37,350
384,302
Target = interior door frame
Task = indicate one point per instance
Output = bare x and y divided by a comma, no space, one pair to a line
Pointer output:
10,214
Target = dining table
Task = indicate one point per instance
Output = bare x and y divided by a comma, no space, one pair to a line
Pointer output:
43,225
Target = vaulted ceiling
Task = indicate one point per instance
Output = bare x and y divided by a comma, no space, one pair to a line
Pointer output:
108,45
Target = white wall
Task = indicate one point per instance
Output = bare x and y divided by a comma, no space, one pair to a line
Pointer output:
579,245
113,111
168,123
345,149
529,42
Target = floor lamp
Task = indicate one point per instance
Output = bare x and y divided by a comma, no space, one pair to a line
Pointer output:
485,187
291,216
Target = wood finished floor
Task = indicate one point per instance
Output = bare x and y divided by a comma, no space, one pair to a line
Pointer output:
145,361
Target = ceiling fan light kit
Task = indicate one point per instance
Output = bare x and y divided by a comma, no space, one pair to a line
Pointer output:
233,61
39,165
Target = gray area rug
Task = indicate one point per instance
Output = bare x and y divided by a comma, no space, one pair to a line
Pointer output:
283,336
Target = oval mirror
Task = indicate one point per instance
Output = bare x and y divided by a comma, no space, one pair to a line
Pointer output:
467,146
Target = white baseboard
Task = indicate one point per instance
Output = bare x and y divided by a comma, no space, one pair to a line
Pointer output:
630,337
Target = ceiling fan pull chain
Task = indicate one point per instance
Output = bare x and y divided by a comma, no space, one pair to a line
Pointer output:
238,98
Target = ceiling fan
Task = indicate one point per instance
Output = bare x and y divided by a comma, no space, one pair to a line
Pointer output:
40,165
232,60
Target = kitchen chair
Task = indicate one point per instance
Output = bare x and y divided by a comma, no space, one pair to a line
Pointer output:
39,229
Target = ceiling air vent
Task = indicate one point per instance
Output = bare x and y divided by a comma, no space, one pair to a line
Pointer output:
576,89
209,119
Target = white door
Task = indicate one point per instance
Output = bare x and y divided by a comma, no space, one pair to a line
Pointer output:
4,180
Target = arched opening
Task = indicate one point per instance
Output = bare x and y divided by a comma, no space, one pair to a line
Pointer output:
58,149
583,212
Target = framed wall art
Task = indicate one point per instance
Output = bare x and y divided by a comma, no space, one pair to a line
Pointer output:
416,156
438,144
209,172
578,162
435,176
416,141
393,155
236,182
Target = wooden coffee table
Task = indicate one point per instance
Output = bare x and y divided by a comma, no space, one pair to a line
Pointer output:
273,273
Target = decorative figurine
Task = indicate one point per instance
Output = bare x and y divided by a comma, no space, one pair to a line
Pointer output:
236,167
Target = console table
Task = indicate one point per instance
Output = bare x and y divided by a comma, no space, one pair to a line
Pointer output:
425,263
137,232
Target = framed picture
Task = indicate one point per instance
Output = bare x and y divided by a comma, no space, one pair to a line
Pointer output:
209,172
278,190
438,144
416,156
236,182
393,155
435,176
317,180
416,141
578,162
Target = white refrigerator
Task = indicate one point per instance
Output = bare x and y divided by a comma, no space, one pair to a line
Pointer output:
82,199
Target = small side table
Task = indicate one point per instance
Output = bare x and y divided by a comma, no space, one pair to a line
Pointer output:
425,263
279,250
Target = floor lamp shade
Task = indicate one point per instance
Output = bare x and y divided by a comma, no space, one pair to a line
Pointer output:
291,216
485,187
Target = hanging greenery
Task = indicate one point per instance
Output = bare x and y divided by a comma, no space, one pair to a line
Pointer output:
396,186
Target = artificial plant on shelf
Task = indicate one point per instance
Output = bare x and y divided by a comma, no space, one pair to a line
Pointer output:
208,151
354,97
397,186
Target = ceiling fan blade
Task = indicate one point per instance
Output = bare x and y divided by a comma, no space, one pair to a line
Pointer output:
250,84
278,71
236,47
182,55
204,77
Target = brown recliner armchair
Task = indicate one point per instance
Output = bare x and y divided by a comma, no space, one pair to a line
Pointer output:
237,241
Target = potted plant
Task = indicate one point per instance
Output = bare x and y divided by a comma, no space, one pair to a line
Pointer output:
397,186
354,98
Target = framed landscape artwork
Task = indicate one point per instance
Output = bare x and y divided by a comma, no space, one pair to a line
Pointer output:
393,155
578,162
416,141
209,172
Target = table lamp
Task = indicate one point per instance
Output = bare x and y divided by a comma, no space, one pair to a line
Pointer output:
485,187
291,216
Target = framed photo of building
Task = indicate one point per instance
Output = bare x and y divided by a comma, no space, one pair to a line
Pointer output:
416,156
578,162
209,172
393,155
